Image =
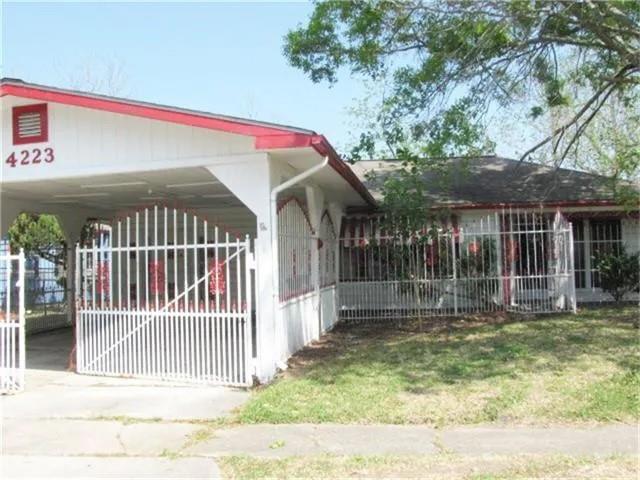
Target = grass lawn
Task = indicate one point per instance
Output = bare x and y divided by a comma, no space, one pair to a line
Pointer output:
553,369
450,467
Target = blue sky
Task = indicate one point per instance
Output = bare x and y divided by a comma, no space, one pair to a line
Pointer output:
219,57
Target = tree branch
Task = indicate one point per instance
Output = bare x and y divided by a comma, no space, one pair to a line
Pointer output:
611,83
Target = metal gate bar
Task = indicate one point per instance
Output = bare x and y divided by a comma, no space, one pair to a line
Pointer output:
12,323
511,260
165,295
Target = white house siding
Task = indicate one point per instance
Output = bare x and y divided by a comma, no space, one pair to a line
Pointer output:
328,308
300,320
87,141
306,317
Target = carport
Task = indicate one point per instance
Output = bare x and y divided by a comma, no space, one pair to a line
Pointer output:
186,274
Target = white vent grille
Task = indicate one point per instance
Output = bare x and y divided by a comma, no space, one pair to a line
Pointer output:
30,125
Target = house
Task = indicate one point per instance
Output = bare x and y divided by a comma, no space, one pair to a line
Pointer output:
188,282
220,254
475,189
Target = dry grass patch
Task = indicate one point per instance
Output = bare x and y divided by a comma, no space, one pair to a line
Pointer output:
450,467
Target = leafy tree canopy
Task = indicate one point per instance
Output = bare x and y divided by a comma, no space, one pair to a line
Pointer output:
42,235
446,63
38,234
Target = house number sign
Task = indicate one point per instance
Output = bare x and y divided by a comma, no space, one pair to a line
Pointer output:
33,156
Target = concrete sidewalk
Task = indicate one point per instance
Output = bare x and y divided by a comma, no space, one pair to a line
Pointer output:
12,466
67,448
64,448
288,440
51,437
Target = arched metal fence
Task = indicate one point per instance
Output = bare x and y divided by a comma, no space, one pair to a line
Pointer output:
519,261
165,294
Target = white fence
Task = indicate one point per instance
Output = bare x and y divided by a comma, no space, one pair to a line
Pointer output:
307,269
164,294
514,261
298,278
12,328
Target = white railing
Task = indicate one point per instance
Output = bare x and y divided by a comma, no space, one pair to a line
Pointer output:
295,244
163,294
515,261
191,346
12,325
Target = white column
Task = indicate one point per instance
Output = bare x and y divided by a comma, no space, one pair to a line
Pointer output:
336,211
251,178
315,204
71,225
586,234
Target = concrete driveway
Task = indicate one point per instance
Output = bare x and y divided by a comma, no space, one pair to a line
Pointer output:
65,424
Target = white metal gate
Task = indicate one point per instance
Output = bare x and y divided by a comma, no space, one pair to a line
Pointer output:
12,323
165,294
518,261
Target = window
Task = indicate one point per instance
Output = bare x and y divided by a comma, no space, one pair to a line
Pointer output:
579,254
30,124
592,238
606,237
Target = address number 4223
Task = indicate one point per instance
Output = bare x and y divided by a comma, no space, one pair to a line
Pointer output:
30,157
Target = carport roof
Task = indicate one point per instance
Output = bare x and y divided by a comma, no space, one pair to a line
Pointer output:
267,135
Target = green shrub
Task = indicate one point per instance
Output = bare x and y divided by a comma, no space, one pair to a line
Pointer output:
619,273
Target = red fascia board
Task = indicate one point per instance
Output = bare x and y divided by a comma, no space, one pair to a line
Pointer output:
324,148
286,140
144,111
567,203
321,145
602,214
500,206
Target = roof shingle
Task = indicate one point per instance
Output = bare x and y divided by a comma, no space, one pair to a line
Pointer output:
495,180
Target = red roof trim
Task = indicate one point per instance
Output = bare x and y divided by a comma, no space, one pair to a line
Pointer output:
602,214
286,140
500,206
564,203
266,137
321,145
133,109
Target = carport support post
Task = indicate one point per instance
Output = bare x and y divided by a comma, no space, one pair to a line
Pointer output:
336,211
251,178
315,203
72,228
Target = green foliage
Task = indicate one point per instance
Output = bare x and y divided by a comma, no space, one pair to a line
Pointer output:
39,235
446,63
42,235
619,273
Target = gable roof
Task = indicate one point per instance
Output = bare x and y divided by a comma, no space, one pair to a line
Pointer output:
267,135
477,182
127,106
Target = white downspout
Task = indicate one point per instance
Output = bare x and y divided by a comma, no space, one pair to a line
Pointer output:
274,248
